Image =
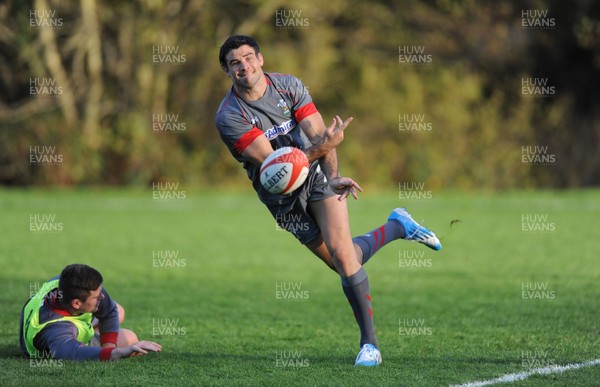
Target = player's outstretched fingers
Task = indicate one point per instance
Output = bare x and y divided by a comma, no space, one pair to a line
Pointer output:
347,193
143,347
335,132
134,354
356,186
338,125
345,123
150,346
345,186
332,132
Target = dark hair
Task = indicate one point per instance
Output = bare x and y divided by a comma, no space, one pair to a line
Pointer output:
233,42
77,281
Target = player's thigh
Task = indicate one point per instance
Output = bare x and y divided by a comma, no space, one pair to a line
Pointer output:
332,217
318,248
126,338
121,311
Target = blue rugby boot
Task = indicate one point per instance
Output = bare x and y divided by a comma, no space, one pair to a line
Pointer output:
414,231
369,356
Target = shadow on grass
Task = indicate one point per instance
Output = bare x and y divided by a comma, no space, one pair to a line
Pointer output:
13,352
228,358
10,351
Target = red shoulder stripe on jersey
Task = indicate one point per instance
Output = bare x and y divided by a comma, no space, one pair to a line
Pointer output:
247,139
109,337
305,111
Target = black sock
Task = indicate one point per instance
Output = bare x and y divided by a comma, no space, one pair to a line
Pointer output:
356,289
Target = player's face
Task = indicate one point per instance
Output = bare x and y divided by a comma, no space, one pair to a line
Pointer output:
92,303
244,66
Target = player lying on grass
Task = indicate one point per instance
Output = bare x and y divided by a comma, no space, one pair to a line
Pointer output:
72,317
266,111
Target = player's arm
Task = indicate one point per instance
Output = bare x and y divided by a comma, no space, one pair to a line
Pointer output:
258,150
108,316
61,340
324,140
242,138
314,128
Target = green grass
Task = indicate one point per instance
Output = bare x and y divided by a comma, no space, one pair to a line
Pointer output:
470,298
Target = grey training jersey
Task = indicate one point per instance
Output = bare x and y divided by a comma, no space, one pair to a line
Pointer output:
275,115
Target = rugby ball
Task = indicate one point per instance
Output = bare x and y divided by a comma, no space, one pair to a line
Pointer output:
284,170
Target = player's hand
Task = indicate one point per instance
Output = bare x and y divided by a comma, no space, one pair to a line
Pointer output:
137,349
143,347
344,186
335,132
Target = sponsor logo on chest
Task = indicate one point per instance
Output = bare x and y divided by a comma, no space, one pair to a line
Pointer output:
277,130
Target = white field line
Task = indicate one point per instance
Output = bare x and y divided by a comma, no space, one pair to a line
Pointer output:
509,378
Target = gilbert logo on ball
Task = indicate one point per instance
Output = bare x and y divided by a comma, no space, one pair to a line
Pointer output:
284,170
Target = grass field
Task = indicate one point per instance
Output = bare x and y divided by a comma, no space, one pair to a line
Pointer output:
200,275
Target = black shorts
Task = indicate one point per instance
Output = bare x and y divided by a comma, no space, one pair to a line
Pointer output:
292,213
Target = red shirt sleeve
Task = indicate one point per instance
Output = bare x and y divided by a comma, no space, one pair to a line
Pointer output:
305,111
105,353
109,337
247,139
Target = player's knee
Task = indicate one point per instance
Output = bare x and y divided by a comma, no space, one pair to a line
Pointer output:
127,337
343,254
345,261
121,313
